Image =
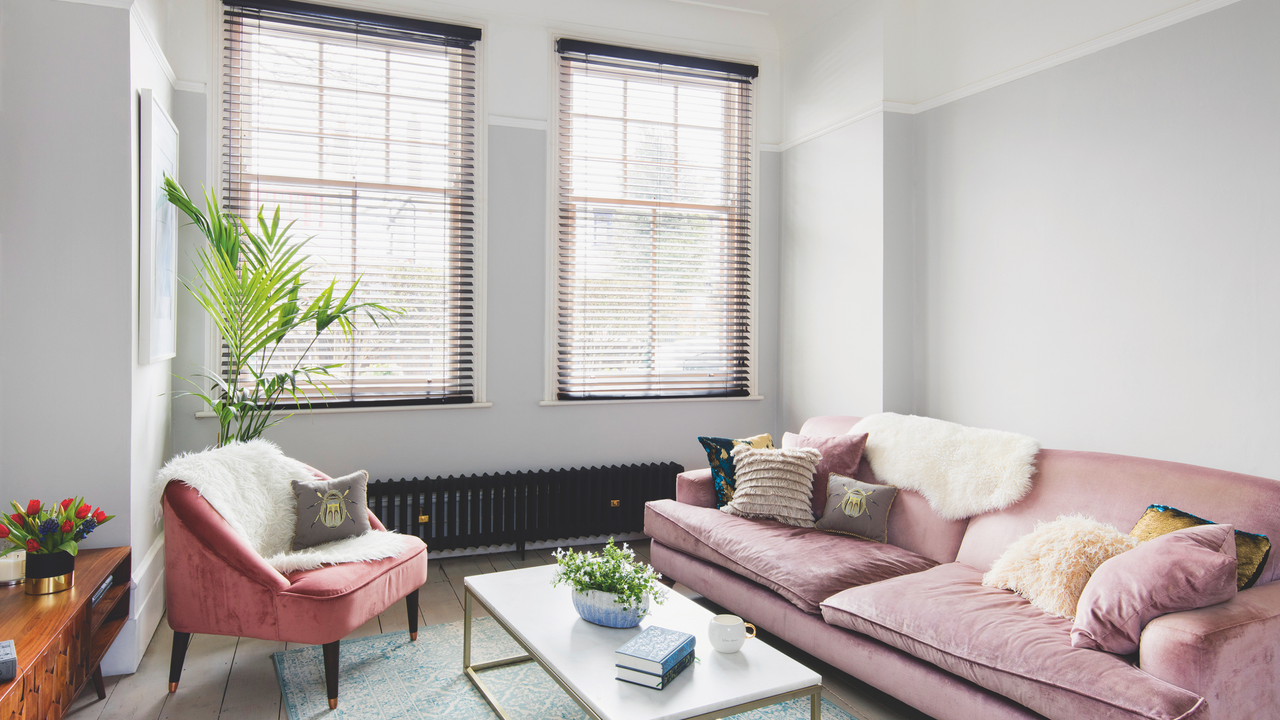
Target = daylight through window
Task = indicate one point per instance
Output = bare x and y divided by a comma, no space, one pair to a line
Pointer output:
653,251
362,129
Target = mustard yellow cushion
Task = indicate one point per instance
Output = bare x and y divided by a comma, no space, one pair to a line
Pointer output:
1251,549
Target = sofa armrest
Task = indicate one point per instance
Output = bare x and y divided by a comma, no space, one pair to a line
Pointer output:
1225,653
208,527
696,487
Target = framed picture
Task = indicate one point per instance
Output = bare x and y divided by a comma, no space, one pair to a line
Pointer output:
157,234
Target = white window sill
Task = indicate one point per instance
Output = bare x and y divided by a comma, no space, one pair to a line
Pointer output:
637,401
391,408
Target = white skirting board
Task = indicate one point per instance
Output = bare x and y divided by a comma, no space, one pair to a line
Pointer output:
146,607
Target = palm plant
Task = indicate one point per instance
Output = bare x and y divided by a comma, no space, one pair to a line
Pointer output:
249,284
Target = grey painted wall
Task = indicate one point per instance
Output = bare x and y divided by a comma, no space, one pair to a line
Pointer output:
1100,246
516,433
66,257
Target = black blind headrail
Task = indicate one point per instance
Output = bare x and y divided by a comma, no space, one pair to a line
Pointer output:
583,47
376,23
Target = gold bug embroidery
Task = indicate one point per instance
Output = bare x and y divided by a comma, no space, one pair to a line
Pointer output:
333,508
855,502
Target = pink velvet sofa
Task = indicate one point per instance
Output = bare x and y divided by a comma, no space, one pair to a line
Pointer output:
912,618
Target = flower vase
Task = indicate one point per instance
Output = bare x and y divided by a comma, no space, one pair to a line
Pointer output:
49,573
601,608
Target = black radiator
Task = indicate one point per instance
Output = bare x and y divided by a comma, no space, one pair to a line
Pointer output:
518,507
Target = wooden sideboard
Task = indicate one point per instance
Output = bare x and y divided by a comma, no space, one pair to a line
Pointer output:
61,638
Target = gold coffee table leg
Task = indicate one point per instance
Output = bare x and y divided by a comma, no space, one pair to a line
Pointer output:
471,670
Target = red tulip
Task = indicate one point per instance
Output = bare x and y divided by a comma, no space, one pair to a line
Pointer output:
4,531
17,519
33,545
67,503
67,526
33,507
100,516
83,511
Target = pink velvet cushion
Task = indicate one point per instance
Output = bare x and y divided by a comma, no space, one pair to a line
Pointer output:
1184,570
1000,641
802,564
840,455
330,580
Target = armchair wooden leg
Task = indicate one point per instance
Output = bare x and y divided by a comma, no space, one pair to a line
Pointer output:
180,642
411,600
331,672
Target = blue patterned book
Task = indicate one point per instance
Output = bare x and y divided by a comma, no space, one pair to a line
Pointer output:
655,651
656,682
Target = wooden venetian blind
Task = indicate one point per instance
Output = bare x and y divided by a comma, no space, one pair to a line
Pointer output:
361,127
653,256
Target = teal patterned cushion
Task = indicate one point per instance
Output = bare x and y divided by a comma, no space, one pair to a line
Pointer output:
720,457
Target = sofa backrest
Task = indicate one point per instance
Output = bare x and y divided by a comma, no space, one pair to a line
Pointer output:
913,525
1117,489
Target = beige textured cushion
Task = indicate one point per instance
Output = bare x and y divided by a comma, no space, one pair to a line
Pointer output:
1051,565
774,484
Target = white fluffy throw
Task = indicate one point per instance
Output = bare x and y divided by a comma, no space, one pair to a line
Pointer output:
249,485
961,471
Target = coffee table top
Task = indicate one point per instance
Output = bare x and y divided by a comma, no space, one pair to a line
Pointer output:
542,618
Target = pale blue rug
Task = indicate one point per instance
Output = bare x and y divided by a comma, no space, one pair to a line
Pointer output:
386,677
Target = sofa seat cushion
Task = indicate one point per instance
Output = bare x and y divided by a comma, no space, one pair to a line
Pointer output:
340,579
1000,641
803,565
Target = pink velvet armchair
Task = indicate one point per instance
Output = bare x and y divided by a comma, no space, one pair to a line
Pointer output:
218,585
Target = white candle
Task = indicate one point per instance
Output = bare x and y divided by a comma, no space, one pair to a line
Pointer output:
13,566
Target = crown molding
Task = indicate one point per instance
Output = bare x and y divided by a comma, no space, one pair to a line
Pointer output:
117,4
1159,22
1173,17
152,43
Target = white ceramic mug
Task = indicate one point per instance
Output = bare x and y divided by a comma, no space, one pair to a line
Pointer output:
728,632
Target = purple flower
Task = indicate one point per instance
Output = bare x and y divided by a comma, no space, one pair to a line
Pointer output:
86,527
48,527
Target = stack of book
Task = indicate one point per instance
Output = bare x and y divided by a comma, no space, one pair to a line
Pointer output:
655,657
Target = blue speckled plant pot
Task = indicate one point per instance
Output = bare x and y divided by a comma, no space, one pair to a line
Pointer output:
599,607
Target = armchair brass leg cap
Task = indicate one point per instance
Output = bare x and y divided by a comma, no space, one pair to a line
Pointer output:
333,703
413,636
173,687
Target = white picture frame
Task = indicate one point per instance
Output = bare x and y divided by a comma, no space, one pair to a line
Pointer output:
157,234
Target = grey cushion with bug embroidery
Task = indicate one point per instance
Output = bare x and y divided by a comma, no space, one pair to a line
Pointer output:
330,510
857,508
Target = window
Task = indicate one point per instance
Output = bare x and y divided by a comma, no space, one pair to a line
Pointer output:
361,127
653,256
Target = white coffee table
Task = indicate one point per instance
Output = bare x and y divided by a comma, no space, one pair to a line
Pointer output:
579,655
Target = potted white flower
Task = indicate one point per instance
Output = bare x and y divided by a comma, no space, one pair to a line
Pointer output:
610,588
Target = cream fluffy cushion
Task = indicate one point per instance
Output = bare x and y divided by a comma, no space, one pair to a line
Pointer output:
774,484
1051,565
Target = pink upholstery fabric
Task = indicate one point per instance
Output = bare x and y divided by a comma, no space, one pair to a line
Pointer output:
1226,653
998,640
804,565
934,692
696,487
1184,570
216,584
913,524
840,454
1117,489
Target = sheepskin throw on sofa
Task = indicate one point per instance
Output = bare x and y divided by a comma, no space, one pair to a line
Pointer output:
249,484
961,471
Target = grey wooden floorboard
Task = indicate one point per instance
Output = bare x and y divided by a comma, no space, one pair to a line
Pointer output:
144,693
204,679
253,689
